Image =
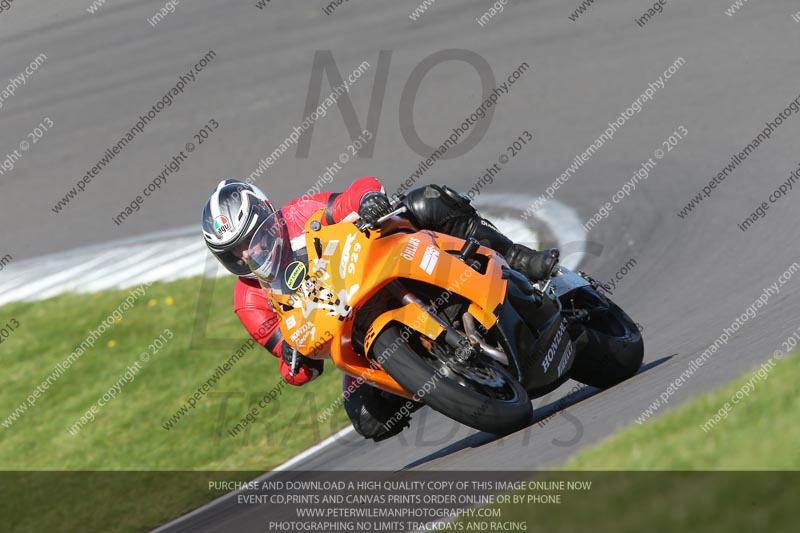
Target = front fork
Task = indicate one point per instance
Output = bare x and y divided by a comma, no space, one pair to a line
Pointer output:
469,342
576,316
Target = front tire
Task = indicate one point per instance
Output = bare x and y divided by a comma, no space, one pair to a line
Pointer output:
615,348
500,408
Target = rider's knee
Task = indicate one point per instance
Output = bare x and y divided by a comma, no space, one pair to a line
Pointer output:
433,206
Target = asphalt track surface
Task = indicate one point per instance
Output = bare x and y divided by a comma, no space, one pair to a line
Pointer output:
693,276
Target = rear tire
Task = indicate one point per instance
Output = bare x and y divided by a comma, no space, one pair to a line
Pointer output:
614,350
506,409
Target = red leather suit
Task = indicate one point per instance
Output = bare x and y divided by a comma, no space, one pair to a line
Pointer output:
250,301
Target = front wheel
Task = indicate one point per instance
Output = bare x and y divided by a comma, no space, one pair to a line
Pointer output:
614,349
475,391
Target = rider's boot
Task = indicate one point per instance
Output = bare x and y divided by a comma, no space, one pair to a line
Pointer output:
536,265
376,414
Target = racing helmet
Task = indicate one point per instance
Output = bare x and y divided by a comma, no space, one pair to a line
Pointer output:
231,216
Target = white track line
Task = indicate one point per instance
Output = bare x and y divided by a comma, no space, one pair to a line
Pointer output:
562,221
181,253
161,256
282,468
314,449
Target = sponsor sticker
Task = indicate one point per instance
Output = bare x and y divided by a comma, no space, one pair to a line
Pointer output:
291,322
294,275
222,225
330,248
551,353
350,252
298,338
565,359
411,249
429,259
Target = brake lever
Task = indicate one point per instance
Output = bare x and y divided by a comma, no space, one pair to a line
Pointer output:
294,362
399,211
363,226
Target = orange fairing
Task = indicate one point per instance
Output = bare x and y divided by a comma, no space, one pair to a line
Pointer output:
347,266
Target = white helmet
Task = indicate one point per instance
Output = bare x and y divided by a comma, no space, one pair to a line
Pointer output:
230,218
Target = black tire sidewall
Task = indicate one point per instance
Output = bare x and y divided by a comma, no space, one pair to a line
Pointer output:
447,396
607,360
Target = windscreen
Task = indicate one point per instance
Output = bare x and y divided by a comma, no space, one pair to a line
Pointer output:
270,255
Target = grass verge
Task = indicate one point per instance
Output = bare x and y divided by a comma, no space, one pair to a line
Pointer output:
128,432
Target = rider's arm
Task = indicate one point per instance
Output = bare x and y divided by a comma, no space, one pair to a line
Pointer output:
251,305
341,205
344,206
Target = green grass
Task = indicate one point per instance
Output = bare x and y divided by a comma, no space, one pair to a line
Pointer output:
756,435
670,475
127,433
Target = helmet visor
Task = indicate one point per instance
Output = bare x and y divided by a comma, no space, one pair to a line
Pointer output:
270,257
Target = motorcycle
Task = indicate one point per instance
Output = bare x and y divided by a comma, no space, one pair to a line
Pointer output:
440,320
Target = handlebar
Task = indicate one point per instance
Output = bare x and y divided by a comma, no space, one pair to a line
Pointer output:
398,211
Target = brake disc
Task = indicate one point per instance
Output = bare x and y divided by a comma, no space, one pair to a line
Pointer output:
460,366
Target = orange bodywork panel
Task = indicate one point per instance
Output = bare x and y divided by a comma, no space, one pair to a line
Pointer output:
346,267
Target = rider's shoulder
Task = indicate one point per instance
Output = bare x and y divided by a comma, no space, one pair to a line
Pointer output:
244,284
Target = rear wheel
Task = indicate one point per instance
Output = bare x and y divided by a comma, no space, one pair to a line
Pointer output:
615,348
467,387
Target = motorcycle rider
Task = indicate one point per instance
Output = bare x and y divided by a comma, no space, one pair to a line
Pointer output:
236,209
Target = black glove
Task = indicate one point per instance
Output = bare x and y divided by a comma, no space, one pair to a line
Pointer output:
374,205
297,362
